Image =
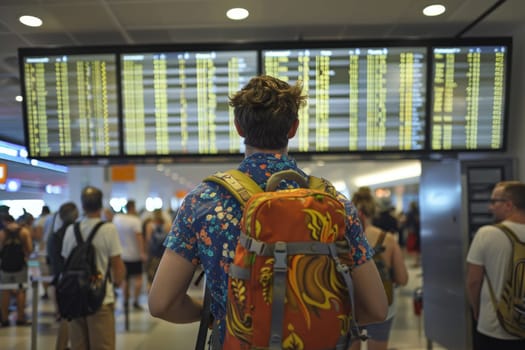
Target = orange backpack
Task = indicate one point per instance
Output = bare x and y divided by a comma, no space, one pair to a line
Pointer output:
289,286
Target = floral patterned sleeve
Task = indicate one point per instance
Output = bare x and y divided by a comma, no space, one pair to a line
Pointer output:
361,250
182,239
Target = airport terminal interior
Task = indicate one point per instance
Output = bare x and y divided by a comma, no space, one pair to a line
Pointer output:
422,104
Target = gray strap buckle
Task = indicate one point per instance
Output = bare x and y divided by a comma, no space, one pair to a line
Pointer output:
340,267
280,253
252,244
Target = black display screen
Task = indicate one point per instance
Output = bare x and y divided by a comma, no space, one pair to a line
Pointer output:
468,97
71,106
177,102
360,99
405,96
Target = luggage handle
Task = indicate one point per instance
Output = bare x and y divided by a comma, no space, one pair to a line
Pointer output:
276,178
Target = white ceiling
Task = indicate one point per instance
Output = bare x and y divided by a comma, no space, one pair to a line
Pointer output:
107,22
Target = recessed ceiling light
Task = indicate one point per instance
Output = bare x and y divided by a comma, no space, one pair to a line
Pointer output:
237,13
19,98
434,10
30,21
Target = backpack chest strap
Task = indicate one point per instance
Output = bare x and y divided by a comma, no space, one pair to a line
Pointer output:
293,248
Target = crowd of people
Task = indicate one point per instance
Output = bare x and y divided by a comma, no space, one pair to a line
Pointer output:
46,239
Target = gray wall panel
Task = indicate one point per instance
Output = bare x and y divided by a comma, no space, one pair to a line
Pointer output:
444,301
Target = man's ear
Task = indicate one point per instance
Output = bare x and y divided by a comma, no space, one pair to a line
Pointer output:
238,128
293,128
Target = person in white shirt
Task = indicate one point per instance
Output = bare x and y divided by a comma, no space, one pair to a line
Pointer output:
489,255
129,228
97,331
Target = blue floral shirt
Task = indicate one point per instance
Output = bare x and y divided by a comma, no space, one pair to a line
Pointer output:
206,228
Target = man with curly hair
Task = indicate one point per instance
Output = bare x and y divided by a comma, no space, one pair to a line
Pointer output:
207,227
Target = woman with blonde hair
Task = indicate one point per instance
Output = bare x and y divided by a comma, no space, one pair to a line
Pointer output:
387,253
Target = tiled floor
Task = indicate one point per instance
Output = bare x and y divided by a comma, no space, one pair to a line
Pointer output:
147,333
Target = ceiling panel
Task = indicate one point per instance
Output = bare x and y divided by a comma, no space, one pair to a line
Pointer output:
150,36
166,15
49,39
85,18
99,38
185,35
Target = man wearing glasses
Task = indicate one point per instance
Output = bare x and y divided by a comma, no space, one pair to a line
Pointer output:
489,255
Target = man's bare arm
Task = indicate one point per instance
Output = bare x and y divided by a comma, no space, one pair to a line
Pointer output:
118,269
168,298
371,304
474,281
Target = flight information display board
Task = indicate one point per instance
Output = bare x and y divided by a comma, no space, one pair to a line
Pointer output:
360,99
404,96
176,103
468,97
71,105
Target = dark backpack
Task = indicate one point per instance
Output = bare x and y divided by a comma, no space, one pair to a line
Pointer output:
81,287
54,251
156,247
12,254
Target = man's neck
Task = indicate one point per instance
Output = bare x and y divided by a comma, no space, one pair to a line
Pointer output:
93,215
517,217
252,150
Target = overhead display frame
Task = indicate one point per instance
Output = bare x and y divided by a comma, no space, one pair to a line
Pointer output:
176,102
469,100
71,104
361,98
365,97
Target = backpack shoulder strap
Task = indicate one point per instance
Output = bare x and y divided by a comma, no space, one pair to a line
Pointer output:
52,231
510,234
92,234
94,231
380,240
513,239
240,185
321,184
78,236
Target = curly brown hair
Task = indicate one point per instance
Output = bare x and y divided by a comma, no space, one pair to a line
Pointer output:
265,110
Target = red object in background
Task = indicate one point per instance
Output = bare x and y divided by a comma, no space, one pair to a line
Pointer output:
411,243
418,301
